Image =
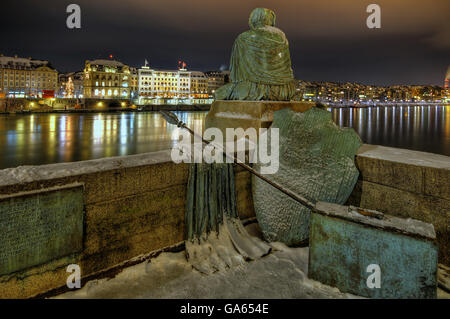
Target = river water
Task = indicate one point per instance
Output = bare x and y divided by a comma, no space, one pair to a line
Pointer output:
33,139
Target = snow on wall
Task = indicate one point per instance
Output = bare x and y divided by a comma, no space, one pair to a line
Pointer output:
27,174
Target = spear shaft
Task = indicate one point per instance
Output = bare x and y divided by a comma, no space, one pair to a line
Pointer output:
171,118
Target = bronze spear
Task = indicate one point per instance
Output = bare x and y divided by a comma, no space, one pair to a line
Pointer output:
171,118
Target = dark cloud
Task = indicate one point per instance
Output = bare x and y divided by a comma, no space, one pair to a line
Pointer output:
329,39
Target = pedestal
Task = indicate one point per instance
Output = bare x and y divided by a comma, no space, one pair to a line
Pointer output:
245,114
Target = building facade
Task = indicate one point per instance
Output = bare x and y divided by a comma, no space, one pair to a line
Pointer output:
134,83
216,79
356,93
107,79
199,85
26,77
446,94
171,84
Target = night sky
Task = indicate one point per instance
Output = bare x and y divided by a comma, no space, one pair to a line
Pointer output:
329,39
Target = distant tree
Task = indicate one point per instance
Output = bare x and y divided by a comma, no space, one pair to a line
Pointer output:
69,88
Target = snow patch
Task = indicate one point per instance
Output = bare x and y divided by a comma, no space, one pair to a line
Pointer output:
235,115
281,274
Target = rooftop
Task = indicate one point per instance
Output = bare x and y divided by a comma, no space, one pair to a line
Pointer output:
21,63
107,62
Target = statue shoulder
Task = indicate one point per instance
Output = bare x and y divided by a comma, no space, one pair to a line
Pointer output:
246,35
274,31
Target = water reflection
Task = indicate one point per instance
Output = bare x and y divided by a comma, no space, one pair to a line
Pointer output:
50,138
422,128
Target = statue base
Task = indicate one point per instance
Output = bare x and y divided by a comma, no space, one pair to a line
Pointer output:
257,114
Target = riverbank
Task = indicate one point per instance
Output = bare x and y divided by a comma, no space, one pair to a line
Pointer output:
56,105
147,108
391,104
28,106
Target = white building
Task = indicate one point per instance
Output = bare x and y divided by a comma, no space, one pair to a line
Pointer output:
171,86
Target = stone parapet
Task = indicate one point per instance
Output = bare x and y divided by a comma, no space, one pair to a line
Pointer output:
408,184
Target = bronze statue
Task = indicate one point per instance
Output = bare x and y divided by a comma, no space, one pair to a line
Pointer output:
260,63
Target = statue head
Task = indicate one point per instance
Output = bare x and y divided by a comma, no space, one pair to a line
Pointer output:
261,17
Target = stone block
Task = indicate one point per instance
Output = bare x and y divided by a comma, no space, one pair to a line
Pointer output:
413,171
437,181
110,224
348,245
39,226
405,204
245,114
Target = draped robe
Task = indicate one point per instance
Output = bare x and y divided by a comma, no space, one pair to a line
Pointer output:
260,67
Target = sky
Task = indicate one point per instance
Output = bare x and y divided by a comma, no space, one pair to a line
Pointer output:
329,40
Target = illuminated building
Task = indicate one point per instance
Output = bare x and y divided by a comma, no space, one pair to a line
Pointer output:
25,77
178,84
446,94
164,83
216,79
134,82
356,93
199,85
107,79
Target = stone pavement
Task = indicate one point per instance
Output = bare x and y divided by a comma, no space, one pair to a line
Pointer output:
281,274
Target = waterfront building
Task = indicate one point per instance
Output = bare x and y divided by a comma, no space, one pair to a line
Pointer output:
26,77
163,83
107,79
356,93
216,79
77,79
159,86
446,94
199,85
134,83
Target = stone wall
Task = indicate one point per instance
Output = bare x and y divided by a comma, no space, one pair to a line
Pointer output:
406,184
133,205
